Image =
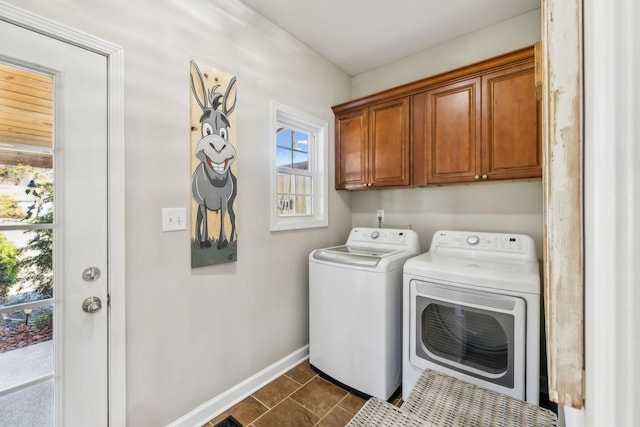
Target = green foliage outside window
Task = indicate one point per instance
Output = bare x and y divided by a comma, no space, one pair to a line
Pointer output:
37,255
8,265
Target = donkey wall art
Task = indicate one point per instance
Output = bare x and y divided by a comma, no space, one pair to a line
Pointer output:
214,185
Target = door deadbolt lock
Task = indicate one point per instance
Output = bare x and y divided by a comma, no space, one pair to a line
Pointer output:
91,274
92,305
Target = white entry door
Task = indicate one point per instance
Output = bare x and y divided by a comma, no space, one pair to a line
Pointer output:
63,380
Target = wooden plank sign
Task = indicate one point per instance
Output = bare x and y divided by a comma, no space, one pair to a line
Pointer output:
214,185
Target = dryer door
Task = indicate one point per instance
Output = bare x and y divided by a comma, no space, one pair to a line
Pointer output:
475,336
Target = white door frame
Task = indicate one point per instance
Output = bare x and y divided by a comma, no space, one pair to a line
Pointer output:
612,183
115,197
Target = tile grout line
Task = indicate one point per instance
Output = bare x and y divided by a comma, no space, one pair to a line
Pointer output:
332,408
283,399
289,396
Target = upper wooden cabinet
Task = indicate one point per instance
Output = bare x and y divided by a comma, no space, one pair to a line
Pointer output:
478,129
511,124
373,147
476,123
352,153
451,116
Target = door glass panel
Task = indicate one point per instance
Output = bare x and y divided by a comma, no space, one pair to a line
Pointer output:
26,244
470,337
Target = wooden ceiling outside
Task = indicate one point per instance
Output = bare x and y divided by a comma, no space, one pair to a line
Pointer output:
26,117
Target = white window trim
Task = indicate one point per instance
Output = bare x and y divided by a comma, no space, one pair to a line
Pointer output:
318,167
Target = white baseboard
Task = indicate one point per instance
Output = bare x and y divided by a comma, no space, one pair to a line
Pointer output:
227,399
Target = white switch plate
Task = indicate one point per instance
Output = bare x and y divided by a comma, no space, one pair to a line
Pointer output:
174,219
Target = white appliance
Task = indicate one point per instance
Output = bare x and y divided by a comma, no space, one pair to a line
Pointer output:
355,309
471,309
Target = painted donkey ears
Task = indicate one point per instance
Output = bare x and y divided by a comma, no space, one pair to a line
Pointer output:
232,86
199,91
215,99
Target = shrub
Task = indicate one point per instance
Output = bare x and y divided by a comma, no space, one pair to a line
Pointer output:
37,255
8,265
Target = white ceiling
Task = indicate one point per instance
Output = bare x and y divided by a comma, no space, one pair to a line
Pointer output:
360,35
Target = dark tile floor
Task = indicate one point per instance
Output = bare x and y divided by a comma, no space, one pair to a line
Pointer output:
299,398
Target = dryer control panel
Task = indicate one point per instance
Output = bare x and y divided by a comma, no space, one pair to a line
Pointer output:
469,243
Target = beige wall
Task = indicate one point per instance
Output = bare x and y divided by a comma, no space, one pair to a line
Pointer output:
509,35
502,206
508,206
193,334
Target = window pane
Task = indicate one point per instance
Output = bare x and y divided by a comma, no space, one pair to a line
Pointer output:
303,205
31,406
283,157
285,205
26,345
300,161
26,192
292,149
301,142
285,183
26,266
303,185
284,138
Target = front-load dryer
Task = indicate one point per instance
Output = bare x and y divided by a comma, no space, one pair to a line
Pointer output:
472,311
355,309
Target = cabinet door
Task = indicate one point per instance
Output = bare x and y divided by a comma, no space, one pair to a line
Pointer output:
452,132
351,150
511,140
389,144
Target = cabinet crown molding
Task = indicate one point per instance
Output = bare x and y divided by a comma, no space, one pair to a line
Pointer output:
495,63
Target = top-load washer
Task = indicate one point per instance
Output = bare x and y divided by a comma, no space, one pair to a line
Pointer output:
355,309
472,311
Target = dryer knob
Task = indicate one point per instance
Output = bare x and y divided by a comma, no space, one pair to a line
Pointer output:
473,240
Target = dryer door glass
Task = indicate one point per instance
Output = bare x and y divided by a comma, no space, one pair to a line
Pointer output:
478,334
472,337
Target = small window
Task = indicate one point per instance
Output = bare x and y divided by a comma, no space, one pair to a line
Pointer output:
300,170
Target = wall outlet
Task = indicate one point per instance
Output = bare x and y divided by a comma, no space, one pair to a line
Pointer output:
174,219
380,215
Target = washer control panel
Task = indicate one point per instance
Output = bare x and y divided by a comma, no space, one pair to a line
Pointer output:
381,236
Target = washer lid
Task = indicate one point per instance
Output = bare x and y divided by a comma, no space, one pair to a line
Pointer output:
353,255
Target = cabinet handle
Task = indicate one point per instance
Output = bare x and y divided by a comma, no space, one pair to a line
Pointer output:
476,177
484,176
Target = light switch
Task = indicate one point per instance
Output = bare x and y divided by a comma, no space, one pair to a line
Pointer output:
174,219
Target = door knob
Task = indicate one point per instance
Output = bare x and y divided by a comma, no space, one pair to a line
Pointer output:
91,274
92,305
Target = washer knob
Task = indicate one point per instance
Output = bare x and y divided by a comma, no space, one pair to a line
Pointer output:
473,240
375,234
